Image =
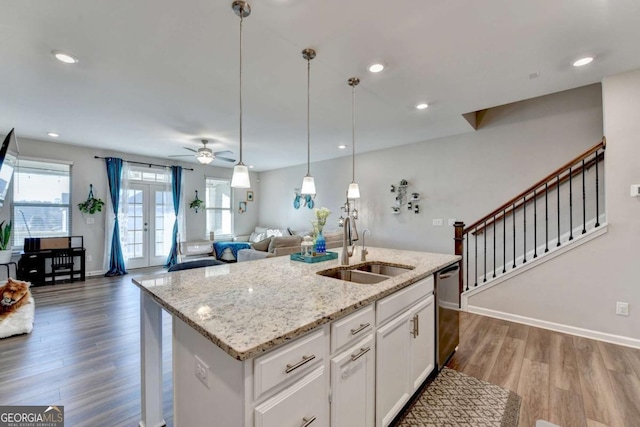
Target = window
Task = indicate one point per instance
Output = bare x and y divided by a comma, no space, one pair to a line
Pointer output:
218,207
41,200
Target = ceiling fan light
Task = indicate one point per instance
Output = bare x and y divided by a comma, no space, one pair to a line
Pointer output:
240,178
205,160
354,191
308,186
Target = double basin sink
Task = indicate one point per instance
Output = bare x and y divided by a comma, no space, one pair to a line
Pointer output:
366,273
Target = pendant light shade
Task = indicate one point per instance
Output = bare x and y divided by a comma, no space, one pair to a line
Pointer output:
308,183
354,190
240,178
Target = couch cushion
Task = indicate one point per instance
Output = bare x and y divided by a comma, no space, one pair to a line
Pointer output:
332,236
284,241
257,236
262,245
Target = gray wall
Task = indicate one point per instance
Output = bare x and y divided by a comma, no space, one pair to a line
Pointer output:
88,170
460,177
581,287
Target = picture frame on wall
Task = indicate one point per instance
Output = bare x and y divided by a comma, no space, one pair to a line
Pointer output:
242,207
249,196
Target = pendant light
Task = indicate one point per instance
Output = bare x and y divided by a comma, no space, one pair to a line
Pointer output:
308,184
240,178
354,190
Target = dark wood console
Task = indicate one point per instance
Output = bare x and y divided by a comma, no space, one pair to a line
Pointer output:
38,263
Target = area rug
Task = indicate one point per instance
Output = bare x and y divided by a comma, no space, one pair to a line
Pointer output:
455,399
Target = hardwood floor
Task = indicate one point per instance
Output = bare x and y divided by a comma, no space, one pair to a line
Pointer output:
84,354
569,381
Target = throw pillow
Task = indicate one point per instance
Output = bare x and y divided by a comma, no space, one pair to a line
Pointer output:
271,232
284,241
262,245
257,237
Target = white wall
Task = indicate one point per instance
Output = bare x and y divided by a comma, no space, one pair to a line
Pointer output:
581,287
88,170
460,177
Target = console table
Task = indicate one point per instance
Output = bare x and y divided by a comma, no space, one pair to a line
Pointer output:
35,263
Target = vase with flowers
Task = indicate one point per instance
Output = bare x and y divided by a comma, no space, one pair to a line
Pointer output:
318,225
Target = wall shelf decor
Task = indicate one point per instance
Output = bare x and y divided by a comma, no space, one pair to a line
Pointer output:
404,198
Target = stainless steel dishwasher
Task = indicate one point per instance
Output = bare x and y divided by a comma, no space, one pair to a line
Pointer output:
447,299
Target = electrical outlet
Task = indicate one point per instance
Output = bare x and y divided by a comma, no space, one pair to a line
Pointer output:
437,222
202,371
622,308
89,258
452,221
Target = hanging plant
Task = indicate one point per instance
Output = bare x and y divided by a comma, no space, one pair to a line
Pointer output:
91,205
197,203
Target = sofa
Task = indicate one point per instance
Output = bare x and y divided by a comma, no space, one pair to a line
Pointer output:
282,244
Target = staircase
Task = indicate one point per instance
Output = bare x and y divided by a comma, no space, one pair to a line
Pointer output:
561,211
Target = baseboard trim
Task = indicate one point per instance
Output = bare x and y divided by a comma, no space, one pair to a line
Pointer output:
558,327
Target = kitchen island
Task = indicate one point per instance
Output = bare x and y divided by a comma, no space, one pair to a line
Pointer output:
233,322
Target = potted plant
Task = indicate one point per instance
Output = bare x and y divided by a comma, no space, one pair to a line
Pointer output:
5,242
91,205
197,203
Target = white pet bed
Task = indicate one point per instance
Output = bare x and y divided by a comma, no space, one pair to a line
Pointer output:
19,322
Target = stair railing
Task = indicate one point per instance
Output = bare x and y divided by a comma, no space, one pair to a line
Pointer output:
508,222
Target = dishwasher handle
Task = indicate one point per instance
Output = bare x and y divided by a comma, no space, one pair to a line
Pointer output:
448,272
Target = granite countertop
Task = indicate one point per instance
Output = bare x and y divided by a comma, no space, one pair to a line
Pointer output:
250,307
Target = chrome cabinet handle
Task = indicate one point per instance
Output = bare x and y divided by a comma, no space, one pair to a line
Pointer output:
305,359
417,325
415,331
363,351
362,327
307,421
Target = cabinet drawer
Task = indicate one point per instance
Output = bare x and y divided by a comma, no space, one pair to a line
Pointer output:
353,327
390,306
292,360
305,403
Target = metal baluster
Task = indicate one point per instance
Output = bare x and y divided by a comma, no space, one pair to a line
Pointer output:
546,216
513,213
504,240
584,206
467,245
558,194
494,246
475,268
484,258
535,224
524,228
597,193
570,204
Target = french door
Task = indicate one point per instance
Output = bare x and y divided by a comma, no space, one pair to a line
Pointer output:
146,241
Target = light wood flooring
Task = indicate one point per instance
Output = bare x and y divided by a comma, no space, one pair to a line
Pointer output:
84,354
567,380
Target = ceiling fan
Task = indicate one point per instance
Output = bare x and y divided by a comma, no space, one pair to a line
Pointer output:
205,155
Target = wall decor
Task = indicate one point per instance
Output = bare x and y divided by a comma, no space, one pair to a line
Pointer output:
249,196
305,199
242,207
403,197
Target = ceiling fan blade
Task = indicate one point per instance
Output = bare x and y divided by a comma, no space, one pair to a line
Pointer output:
216,153
225,159
190,149
181,155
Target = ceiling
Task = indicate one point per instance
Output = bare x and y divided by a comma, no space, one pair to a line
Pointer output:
156,76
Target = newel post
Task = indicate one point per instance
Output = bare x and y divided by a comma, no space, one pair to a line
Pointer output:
459,248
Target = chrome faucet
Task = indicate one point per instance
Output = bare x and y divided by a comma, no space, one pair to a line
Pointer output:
364,252
348,237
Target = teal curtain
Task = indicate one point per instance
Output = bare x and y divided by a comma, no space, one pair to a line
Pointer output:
114,174
176,185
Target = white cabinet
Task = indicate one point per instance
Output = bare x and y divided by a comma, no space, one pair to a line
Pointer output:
353,385
303,404
405,350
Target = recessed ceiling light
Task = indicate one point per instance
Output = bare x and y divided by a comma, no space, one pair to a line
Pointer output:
583,61
376,68
342,146
65,57
422,106
53,134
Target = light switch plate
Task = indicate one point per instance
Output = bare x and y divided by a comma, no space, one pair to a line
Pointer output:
437,222
622,308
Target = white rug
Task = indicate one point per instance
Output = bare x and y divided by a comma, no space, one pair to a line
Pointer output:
19,322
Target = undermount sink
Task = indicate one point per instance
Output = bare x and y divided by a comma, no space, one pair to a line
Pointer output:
384,269
367,273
